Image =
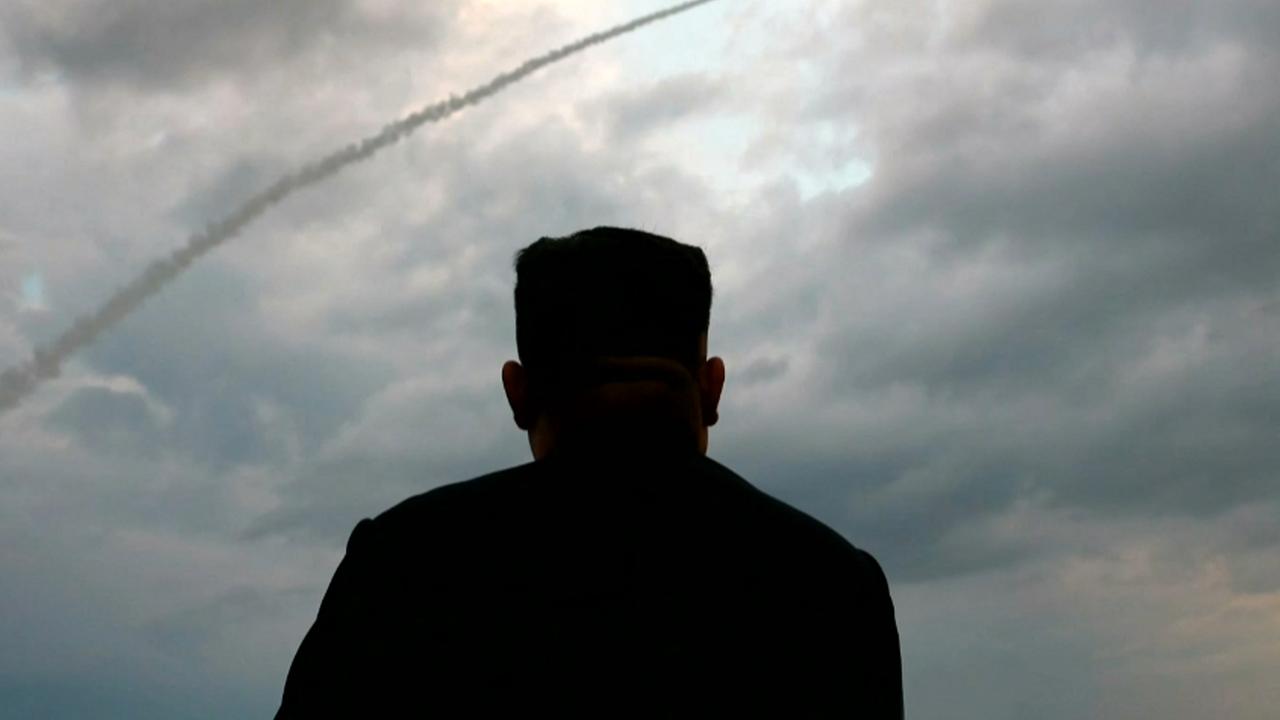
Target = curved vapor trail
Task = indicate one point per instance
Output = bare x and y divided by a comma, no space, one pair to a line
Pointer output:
19,381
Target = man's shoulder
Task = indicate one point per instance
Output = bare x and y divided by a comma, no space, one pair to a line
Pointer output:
521,483
494,486
509,494
446,506
784,514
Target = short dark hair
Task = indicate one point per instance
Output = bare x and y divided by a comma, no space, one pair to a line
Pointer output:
607,291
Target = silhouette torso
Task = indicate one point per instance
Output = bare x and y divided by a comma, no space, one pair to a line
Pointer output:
668,586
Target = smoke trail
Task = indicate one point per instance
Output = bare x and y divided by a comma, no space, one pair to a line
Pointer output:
19,381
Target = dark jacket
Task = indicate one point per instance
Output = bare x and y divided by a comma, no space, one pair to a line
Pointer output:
667,586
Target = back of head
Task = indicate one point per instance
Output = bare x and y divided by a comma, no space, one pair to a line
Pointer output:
587,302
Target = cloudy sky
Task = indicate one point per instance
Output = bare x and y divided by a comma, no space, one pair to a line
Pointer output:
997,286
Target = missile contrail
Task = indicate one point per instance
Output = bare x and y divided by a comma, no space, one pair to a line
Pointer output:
19,381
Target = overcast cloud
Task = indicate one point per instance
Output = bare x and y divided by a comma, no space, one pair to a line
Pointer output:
997,287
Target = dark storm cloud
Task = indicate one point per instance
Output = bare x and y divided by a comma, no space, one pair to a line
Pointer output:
1065,30
153,45
1181,179
412,438
923,509
762,370
107,421
216,373
634,113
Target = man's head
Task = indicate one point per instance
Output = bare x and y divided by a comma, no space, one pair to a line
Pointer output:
611,330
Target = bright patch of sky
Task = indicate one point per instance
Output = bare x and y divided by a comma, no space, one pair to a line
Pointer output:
693,41
32,292
712,146
835,165
714,40
849,175
717,146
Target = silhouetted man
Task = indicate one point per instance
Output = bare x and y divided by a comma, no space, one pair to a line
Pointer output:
621,572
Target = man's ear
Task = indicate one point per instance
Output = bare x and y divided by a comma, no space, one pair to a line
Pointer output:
516,386
710,385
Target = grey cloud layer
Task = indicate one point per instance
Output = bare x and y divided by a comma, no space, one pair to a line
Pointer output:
1093,237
